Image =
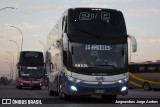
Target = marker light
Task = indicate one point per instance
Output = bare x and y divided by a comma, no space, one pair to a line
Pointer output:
124,88
73,88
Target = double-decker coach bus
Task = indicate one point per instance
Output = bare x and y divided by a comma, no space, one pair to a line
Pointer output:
87,54
30,70
146,76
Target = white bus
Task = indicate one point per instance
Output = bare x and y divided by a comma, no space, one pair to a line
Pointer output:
87,54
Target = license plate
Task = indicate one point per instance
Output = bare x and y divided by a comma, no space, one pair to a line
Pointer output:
99,91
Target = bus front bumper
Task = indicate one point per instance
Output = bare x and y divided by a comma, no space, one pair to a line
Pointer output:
71,88
30,84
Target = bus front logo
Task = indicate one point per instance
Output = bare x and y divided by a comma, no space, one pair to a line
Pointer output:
100,78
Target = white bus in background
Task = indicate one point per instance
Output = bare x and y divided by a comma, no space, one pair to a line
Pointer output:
87,54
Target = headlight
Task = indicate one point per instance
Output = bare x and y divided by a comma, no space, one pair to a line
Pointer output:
125,80
76,80
21,79
122,80
70,78
124,88
73,88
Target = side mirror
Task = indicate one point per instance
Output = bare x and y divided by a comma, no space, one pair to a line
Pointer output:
51,65
44,65
134,43
18,65
65,42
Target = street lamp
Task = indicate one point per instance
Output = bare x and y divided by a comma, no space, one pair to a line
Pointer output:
21,34
43,47
42,44
11,70
6,8
16,44
12,62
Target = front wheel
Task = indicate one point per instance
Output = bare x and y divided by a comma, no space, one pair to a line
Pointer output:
62,95
146,86
51,93
19,87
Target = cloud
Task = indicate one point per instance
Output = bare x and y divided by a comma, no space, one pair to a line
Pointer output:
2,37
26,26
144,42
142,12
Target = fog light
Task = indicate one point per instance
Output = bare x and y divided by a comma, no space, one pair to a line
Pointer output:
21,83
40,84
124,89
73,88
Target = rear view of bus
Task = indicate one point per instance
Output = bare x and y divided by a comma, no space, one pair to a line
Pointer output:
30,70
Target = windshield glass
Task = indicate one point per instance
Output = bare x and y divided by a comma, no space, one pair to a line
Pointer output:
99,55
31,71
98,21
31,58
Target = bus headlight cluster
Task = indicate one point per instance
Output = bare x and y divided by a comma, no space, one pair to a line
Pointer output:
74,79
21,79
124,88
73,88
122,80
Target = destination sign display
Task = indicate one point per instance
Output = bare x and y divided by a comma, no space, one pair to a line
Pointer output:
91,16
98,47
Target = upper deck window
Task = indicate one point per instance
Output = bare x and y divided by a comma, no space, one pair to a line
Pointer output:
31,59
99,22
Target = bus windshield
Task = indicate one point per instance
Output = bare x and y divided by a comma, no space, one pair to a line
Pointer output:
101,56
31,58
98,21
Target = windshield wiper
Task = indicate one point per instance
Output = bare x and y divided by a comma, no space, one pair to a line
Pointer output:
111,66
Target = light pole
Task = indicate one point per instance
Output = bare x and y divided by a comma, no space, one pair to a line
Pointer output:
6,8
15,43
12,62
11,70
44,48
43,45
21,34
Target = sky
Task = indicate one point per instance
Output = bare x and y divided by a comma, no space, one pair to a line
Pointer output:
36,18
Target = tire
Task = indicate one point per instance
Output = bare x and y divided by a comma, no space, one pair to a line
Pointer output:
146,86
62,95
19,87
39,88
50,92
